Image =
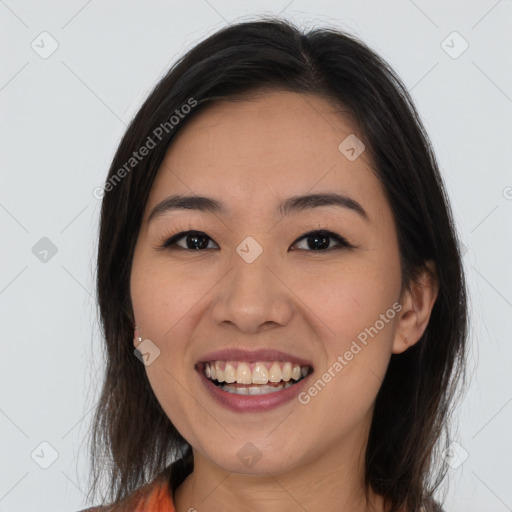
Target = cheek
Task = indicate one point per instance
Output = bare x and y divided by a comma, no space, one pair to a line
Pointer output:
164,299
355,301
350,297
164,303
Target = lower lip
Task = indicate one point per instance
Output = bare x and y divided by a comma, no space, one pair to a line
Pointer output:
252,403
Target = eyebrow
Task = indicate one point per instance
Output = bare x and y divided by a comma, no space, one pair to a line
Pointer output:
292,204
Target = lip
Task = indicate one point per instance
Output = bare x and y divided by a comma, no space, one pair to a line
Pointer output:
263,354
251,403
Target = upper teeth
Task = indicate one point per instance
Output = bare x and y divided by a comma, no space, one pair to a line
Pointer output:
254,373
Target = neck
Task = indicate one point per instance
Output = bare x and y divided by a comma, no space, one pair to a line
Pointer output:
333,477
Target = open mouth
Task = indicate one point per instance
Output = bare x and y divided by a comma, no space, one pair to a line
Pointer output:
253,378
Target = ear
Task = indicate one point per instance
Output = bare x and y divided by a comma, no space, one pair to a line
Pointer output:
417,303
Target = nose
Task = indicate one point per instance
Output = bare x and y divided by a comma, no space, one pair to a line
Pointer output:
253,298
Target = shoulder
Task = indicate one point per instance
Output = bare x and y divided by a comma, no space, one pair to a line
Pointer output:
155,495
128,505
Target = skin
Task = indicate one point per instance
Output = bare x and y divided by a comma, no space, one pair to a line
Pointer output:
252,154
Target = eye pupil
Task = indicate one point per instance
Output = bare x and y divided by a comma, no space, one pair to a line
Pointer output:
324,241
194,238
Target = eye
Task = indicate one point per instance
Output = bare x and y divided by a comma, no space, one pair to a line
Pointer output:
316,241
319,241
194,240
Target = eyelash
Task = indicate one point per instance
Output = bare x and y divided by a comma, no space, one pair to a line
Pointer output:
170,239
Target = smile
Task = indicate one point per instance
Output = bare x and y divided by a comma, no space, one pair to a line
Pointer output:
253,380
258,378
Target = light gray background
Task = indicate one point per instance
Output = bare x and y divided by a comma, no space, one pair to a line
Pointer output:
62,118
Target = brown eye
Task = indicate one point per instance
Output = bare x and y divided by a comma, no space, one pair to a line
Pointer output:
194,240
319,241
316,241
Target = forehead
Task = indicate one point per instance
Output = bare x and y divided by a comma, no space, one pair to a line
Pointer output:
271,146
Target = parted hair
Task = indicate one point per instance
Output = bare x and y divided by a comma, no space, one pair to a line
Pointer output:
132,439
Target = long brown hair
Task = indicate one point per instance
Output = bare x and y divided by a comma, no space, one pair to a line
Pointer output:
132,438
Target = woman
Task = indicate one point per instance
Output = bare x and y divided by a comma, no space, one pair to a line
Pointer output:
277,246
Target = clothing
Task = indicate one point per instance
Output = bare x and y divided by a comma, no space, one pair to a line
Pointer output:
156,496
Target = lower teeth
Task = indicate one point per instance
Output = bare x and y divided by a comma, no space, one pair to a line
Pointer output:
261,389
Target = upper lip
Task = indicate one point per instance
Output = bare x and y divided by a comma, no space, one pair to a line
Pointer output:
262,354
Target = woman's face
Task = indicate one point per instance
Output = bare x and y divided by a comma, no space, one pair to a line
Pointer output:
254,283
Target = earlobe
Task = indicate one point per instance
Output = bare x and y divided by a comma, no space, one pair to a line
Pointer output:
417,303
137,339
